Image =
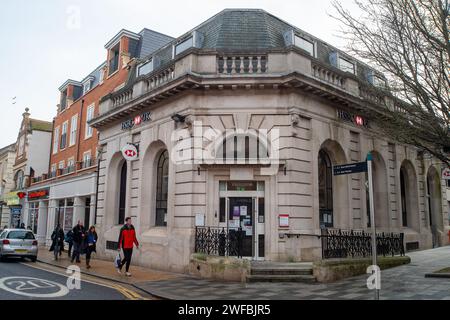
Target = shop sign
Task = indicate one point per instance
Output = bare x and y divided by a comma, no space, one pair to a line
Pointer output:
357,120
446,174
39,194
130,152
131,123
12,199
283,220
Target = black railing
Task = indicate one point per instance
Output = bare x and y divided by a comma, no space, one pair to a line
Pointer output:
219,241
338,243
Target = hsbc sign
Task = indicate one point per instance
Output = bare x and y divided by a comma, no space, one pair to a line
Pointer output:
139,119
130,152
357,120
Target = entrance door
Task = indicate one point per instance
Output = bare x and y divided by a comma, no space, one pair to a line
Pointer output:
241,216
242,206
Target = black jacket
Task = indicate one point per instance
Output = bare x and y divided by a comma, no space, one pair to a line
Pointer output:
57,237
78,234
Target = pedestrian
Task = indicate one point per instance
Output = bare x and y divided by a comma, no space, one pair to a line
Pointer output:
57,239
91,245
69,239
22,226
78,237
127,238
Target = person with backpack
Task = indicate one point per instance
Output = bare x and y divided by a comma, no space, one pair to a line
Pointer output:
127,240
91,241
69,239
79,235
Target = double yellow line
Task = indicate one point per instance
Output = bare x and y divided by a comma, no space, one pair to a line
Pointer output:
127,293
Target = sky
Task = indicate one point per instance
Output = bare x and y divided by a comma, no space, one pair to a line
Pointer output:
46,42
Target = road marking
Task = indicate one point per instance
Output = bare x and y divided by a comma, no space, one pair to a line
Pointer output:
129,294
19,285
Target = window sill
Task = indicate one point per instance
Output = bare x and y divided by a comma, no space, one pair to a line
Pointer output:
112,74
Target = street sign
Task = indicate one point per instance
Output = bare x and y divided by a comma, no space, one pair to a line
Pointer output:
130,152
350,168
446,174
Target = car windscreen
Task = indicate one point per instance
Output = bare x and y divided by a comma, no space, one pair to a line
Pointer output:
24,235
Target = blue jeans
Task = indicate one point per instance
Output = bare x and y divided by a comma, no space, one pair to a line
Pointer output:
76,251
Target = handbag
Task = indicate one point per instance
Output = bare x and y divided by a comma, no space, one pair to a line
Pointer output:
117,260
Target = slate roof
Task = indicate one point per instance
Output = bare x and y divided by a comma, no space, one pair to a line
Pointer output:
251,30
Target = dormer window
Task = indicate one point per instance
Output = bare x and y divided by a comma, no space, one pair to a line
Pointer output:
304,44
184,45
63,103
346,66
114,59
145,68
86,87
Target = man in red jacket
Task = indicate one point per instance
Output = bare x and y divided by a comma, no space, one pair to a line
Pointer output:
127,238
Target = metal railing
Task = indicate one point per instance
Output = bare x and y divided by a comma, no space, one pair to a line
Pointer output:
219,241
337,243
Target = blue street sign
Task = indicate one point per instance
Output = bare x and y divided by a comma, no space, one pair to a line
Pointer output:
350,168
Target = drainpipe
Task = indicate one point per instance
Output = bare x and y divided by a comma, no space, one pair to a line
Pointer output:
98,175
51,148
79,132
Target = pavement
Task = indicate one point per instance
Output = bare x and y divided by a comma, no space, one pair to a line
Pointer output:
20,281
405,282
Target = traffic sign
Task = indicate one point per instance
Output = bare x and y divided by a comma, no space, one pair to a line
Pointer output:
446,174
350,168
130,152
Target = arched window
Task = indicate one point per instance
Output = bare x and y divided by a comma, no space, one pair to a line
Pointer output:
123,192
162,189
18,179
325,190
403,197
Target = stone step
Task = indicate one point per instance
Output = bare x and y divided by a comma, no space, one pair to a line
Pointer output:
281,278
281,271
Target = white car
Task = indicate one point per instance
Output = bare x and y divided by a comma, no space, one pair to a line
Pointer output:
18,243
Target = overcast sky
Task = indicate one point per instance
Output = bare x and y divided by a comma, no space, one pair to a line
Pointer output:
44,43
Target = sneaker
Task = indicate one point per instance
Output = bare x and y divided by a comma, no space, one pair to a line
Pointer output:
119,271
128,274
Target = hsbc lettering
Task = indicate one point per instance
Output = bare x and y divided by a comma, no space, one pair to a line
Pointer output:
355,119
130,123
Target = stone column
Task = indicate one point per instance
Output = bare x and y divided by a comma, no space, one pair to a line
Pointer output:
51,217
78,210
92,211
42,221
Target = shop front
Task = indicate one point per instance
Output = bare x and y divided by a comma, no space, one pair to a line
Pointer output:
37,211
14,204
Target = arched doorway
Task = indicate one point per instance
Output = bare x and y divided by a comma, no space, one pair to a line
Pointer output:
162,188
325,190
122,193
409,196
434,205
380,193
334,209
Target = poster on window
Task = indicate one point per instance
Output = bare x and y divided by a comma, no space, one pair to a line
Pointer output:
236,211
247,226
243,210
68,219
234,223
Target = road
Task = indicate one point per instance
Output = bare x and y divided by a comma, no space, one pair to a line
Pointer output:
21,280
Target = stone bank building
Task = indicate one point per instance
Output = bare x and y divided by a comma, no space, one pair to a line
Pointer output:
276,108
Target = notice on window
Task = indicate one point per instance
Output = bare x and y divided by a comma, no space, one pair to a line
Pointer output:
243,210
236,211
234,223
283,220
199,220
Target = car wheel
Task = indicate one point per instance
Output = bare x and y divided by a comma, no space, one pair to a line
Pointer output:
2,258
33,259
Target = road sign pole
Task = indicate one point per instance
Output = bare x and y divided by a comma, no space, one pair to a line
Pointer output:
372,219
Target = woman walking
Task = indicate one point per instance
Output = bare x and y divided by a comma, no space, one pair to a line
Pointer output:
91,241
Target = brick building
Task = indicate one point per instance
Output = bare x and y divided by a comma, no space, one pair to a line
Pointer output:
66,193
